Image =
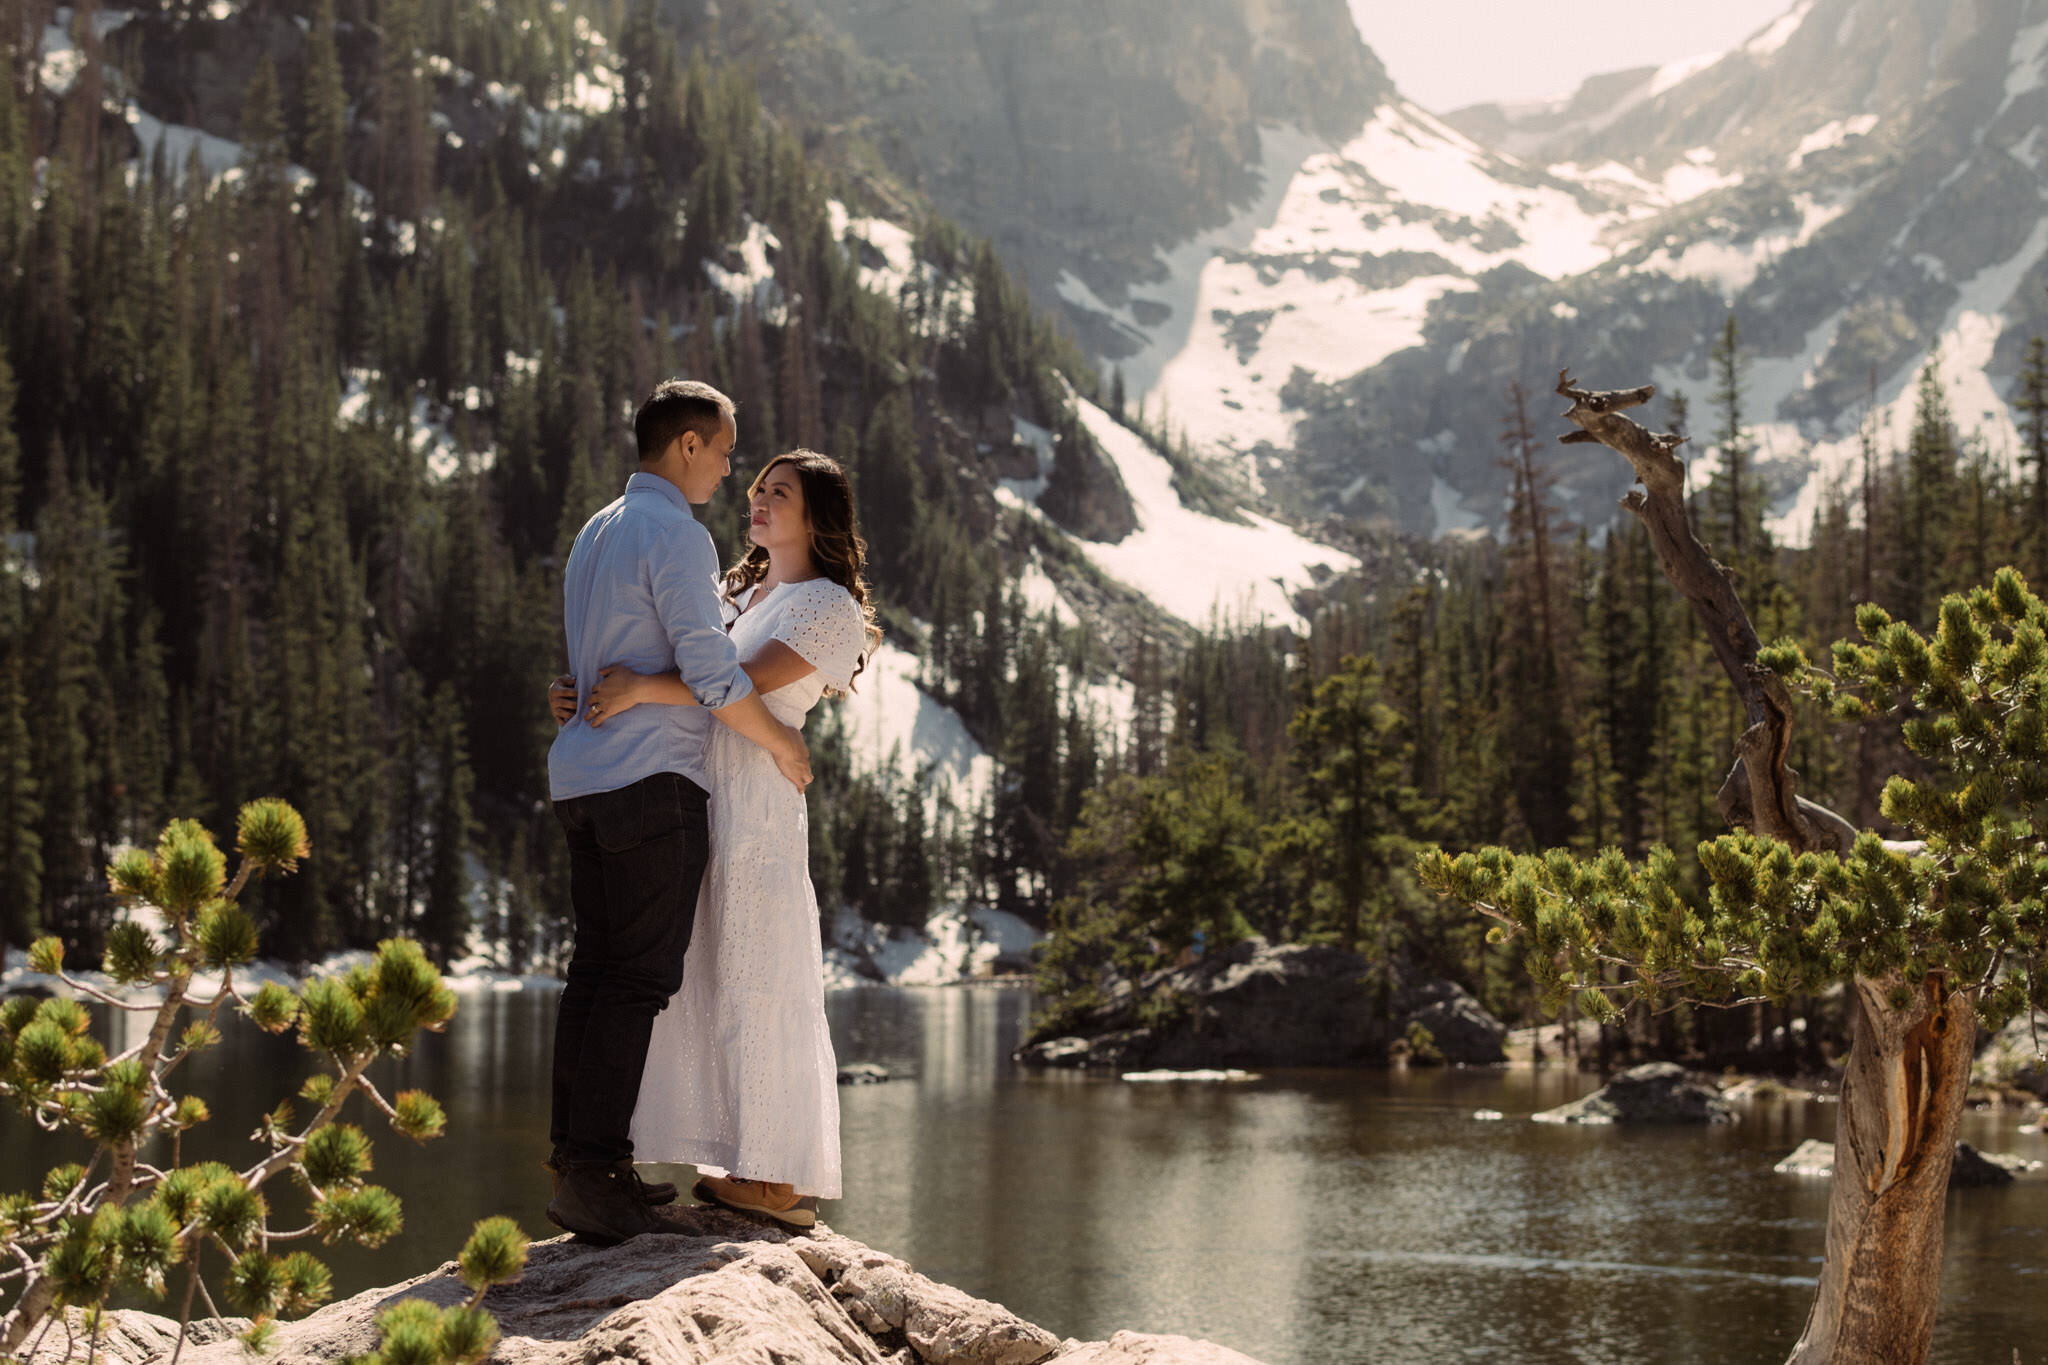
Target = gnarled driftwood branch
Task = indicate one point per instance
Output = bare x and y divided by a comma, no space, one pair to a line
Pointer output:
1761,793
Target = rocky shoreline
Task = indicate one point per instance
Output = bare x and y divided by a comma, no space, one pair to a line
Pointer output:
735,1290
1256,1004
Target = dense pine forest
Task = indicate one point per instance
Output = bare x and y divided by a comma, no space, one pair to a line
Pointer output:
296,445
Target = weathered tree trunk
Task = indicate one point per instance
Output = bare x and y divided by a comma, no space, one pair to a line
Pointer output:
1761,793
37,1299
1908,1069
1895,1139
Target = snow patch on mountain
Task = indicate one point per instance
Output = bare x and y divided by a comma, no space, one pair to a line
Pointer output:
1284,150
895,246
958,943
1448,505
1043,596
892,722
2029,46
58,59
1734,265
1961,356
754,281
1828,136
1673,74
1191,564
1778,32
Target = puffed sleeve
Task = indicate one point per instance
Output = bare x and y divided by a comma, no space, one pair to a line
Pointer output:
825,626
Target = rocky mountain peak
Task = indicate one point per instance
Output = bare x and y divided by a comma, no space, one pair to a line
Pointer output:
1083,137
1822,73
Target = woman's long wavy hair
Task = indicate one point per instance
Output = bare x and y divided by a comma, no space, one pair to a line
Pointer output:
836,545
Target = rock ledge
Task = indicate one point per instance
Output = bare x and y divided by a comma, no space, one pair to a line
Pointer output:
736,1292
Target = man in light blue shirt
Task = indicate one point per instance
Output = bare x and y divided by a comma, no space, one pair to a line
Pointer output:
640,589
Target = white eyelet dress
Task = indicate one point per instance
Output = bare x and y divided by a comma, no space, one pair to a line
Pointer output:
740,1075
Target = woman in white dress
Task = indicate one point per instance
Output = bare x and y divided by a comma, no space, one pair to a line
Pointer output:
741,1081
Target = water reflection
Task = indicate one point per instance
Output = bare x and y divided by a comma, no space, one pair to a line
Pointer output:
1305,1217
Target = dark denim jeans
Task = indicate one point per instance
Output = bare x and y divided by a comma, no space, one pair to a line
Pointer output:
636,859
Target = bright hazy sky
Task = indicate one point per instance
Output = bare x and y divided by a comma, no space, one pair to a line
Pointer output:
1445,54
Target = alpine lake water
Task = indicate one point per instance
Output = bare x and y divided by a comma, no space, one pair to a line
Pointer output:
1300,1217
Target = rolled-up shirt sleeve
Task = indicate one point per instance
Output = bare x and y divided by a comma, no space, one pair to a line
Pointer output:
683,574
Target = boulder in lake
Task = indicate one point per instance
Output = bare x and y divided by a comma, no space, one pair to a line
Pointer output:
1972,1167
1986,1168
1655,1092
1256,1005
1811,1158
732,1289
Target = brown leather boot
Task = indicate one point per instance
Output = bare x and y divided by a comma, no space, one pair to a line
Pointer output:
777,1201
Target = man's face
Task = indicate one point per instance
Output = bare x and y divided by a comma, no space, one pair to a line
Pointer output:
706,462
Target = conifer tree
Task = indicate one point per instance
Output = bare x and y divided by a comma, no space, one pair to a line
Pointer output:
324,113
1925,508
21,858
80,590
1029,789
1357,806
1536,690
403,155
444,914
2033,407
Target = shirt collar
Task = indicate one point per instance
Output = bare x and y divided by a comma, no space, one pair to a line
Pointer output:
654,483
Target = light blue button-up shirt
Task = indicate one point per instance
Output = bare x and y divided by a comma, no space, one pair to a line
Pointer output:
641,590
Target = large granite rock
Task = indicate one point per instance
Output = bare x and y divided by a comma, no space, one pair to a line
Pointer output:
1655,1092
736,1293
1253,1004
2013,1056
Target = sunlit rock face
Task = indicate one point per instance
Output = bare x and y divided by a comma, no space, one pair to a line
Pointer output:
724,1287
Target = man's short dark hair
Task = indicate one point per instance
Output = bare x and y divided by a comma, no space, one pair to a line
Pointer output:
677,406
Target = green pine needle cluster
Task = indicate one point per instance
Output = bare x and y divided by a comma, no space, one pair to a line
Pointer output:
115,1222
415,1332
1965,899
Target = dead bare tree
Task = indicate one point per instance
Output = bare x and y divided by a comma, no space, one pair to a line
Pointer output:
1908,1069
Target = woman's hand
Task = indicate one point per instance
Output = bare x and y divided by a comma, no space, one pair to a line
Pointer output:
562,699
619,690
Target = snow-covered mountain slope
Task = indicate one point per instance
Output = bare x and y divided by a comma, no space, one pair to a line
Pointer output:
1862,181
893,723
1197,566
1342,263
